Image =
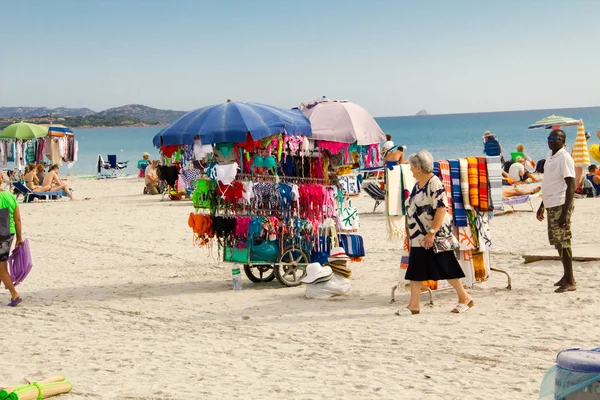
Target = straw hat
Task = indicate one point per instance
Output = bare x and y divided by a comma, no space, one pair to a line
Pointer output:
314,272
595,152
337,253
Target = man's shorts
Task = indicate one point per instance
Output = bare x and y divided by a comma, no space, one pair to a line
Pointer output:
5,248
559,237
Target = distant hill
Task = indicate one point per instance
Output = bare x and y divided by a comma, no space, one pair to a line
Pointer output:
29,112
423,112
143,113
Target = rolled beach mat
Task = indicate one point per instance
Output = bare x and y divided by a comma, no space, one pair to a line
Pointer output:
6,391
36,390
595,152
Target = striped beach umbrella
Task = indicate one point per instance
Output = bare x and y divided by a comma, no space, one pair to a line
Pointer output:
552,120
56,128
580,153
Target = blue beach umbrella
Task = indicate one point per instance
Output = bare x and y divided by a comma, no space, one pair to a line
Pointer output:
230,122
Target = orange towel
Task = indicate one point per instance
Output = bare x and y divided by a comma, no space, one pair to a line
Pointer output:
473,182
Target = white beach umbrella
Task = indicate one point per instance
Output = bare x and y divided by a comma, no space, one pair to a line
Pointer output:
341,121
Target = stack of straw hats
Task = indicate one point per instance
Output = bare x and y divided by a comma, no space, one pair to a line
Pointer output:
338,262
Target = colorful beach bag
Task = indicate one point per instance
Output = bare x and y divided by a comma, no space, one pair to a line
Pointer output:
20,263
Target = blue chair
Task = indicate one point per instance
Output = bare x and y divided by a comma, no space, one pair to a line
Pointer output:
29,194
116,167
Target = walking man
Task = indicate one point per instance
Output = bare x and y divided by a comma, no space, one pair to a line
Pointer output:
558,188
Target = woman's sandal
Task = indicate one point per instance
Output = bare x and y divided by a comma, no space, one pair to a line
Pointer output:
461,308
405,311
13,303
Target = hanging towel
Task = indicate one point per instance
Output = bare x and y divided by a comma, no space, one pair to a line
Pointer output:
465,260
464,183
484,198
436,168
473,182
408,182
460,214
494,169
393,203
444,175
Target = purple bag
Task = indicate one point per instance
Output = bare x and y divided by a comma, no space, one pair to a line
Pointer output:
20,263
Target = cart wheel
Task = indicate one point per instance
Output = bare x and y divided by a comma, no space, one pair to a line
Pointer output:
291,266
258,273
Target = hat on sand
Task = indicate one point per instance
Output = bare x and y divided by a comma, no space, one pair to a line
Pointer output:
595,152
338,253
314,272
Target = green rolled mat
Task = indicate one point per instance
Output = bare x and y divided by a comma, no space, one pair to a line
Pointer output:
35,391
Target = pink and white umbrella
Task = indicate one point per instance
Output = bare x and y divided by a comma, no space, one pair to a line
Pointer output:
341,121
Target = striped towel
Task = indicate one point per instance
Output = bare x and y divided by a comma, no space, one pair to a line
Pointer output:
395,221
494,168
464,183
460,214
473,182
484,199
444,175
436,168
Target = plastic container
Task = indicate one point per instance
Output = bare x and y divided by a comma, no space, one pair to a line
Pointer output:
236,277
578,374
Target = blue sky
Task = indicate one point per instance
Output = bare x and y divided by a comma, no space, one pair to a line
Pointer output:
392,57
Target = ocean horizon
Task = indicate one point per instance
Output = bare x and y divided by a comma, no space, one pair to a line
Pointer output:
444,135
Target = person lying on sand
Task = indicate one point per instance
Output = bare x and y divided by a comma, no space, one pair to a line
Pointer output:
516,191
52,183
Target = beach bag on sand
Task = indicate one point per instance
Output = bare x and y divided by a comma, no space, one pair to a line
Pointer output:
20,263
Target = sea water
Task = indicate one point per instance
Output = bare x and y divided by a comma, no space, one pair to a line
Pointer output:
445,136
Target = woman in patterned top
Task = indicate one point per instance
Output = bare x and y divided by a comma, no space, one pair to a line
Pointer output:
427,219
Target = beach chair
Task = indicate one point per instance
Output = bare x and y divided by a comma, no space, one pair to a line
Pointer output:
514,200
374,191
116,167
29,195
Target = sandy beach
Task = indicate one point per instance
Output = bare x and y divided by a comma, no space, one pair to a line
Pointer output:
122,303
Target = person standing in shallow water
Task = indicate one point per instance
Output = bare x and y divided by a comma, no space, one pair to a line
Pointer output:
8,205
558,188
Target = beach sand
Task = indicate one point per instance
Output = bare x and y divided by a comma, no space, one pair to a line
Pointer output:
122,303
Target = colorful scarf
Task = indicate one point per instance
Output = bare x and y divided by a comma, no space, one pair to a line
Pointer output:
464,183
484,204
473,182
495,177
446,179
460,214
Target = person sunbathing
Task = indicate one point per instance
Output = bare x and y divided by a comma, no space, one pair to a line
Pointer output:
52,183
517,172
396,154
30,178
516,191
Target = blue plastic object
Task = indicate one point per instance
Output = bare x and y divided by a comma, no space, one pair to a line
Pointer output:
579,360
230,122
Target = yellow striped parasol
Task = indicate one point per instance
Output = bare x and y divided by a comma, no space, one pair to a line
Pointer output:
580,153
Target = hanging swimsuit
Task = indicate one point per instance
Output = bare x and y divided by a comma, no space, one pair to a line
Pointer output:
268,162
224,153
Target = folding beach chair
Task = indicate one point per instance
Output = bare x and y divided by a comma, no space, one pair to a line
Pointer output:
116,167
29,195
514,200
374,190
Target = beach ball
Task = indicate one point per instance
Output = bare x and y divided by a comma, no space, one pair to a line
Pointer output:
595,152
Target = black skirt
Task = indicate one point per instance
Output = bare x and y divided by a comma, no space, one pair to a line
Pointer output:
425,265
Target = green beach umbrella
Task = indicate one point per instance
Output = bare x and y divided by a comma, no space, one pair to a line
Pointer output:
23,130
548,122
